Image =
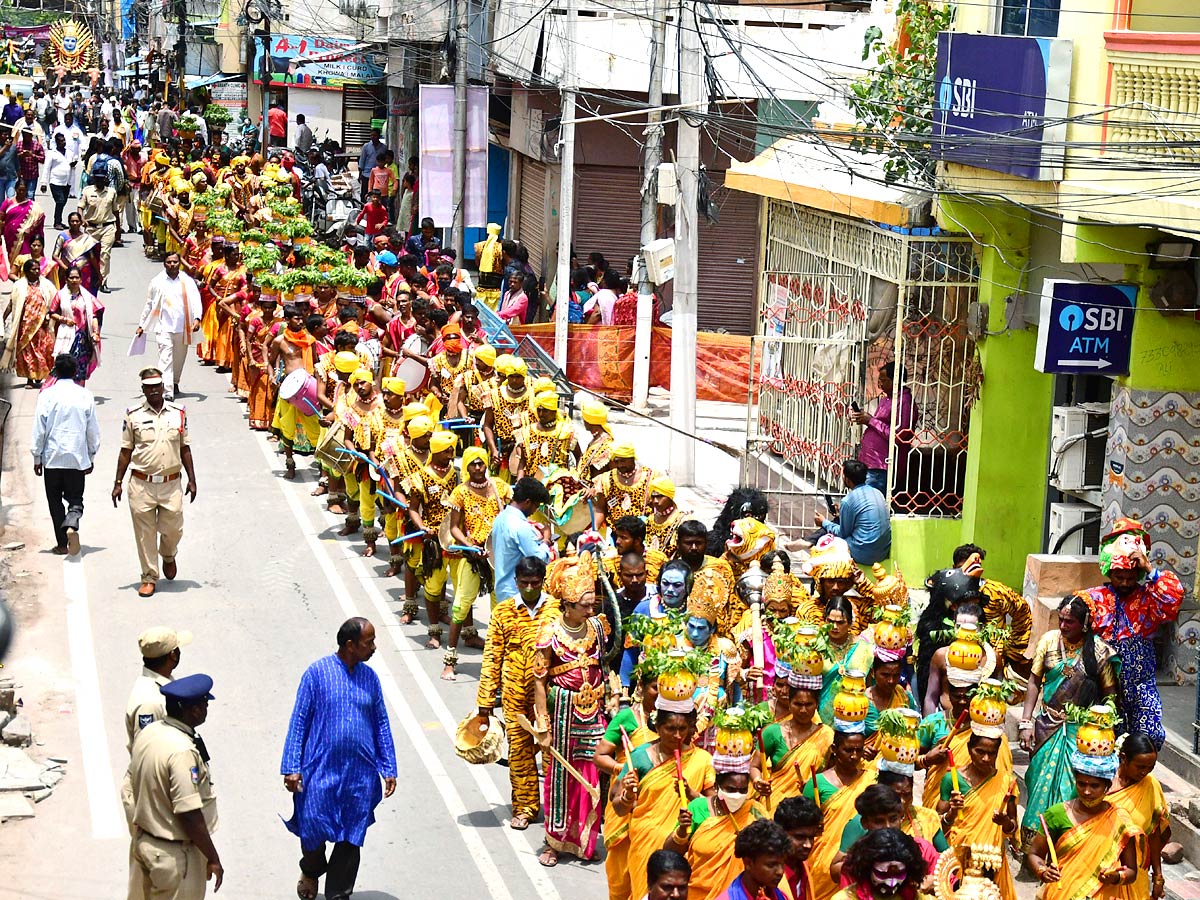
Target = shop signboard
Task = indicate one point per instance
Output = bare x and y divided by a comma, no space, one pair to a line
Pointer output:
1085,328
318,62
1002,102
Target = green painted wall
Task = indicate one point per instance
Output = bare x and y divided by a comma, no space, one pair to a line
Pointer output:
1165,348
922,546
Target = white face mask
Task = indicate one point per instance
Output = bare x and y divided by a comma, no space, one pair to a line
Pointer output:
733,801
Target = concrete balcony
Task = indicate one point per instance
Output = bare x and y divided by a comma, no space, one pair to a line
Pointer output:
1154,85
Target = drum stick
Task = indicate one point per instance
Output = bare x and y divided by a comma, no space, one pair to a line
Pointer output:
407,537
309,403
386,496
463,548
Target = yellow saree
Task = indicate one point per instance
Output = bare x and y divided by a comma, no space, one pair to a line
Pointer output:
657,811
710,851
1147,807
974,825
837,808
1084,851
616,829
797,765
958,747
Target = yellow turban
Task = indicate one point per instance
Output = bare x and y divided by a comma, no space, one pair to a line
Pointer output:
241,161
596,414
504,364
623,450
486,354
663,485
469,456
345,361
542,383
412,410
162,159
420,426
361,375
546,400
394,386
441,440
518,367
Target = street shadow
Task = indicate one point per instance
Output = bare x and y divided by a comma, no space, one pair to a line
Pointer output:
373,895
178,586
483,818
191,395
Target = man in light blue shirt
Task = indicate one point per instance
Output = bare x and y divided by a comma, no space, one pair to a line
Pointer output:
66,438
863,519
514,538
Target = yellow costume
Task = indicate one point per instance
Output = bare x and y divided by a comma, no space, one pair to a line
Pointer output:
616,827
1147,807
710,850
974,826
1084,851
837,809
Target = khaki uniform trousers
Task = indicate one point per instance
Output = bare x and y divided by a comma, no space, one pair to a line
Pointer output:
157,511
165,870
106,235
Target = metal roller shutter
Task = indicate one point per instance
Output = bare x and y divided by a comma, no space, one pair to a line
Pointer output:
728,267
533,210
608,214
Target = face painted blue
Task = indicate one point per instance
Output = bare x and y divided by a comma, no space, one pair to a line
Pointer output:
698,631
672,587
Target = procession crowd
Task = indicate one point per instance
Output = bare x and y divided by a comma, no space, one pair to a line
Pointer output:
728,721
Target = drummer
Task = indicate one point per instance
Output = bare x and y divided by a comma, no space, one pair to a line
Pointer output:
294,347
387,429
354,413
419,430
506,410
473,385
547,441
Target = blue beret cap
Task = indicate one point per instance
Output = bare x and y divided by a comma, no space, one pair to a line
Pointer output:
190,688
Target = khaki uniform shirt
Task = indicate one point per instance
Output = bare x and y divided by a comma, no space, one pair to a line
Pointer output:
98,207
146,703
156,438
168,778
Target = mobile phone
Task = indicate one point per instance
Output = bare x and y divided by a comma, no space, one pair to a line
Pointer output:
854,406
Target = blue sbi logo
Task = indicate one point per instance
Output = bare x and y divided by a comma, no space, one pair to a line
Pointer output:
1071,318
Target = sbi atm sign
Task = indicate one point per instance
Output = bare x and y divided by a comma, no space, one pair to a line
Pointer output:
1085,327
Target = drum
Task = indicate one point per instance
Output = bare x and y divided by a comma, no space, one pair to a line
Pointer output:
569,509
414,374
299,388
327,448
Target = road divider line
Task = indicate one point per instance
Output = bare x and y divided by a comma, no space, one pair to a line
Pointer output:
407,719
108,819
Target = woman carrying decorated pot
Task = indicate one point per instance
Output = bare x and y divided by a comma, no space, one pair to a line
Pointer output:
665,775
1088,848
797,746
708,827
1138,792
1071,668
836,789
979,802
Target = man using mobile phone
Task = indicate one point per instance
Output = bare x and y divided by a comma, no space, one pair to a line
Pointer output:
874,451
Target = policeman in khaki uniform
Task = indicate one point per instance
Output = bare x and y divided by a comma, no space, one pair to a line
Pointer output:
160,657
154,449
174,806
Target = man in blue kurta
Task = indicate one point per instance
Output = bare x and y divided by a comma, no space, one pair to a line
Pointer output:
339,746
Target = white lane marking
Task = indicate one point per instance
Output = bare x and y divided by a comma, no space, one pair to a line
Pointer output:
407,719
108,819
525,854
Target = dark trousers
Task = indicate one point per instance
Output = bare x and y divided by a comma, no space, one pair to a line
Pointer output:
60,193
64,486
340,869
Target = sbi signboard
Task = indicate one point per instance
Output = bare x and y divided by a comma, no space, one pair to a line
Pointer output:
1002,103
1085,327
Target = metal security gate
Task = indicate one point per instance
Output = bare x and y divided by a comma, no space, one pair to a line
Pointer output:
840,298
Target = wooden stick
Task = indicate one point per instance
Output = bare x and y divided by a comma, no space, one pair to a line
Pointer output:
1049,841
593,790
945,742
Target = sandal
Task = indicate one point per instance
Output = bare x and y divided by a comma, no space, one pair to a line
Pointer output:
519,823
548,857
306,888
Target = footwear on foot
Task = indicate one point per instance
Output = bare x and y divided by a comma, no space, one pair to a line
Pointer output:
306,888
475,642
170,569
549,857
147,589
72,542
519,823
59,551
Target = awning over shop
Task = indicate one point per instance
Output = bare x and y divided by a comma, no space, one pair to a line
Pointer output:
830,176
199,81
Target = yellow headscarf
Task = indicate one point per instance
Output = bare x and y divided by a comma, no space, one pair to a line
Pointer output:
419,426
543,383
469,456
442,440
394,386
361,375
504,364
518,367
486,354
345,361
663,485
546,400
623,450
412,410
596,414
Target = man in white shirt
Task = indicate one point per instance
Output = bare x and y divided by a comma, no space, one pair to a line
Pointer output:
75,141
66,438
29,123
172,311
62,103
58,174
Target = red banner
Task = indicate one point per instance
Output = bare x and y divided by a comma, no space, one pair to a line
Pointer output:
600,358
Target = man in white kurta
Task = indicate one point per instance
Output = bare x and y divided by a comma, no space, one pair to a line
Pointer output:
172,314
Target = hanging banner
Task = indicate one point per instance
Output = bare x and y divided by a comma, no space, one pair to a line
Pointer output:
436,120
321,63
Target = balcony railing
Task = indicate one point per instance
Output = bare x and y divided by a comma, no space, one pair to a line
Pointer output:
1154,95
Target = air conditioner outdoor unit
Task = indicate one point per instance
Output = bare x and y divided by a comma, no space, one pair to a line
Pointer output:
1078,438
1084,541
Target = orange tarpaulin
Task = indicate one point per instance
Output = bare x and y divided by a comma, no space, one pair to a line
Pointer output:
600,358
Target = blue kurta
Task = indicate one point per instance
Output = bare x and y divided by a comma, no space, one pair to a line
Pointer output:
340,741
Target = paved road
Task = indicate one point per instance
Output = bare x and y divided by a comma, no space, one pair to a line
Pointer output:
263,583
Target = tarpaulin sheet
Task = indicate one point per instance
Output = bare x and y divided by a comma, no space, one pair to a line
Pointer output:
600,358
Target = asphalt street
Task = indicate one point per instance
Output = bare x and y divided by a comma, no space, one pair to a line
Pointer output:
263,584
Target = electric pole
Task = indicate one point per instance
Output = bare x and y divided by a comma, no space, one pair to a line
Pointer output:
181,46
566,194
459,176
683,316
654,136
